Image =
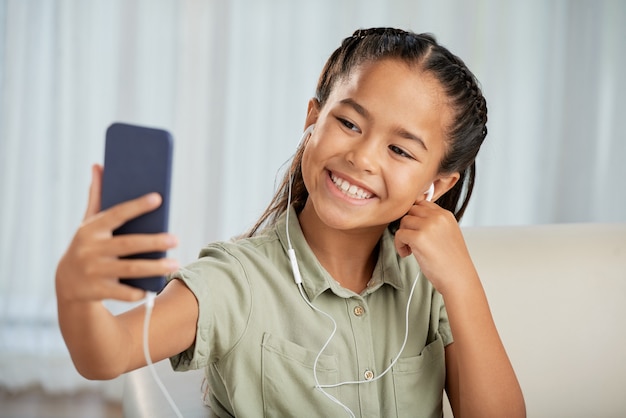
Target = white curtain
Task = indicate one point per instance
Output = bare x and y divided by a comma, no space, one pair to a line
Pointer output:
231,80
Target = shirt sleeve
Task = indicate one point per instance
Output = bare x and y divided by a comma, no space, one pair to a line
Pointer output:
222,289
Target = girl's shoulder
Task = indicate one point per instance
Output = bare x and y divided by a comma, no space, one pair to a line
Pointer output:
265,245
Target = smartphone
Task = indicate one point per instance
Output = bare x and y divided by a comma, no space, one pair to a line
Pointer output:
138,161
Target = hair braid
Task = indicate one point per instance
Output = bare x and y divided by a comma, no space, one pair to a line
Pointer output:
468,131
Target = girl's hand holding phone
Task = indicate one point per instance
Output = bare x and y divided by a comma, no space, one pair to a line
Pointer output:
434,237
90,268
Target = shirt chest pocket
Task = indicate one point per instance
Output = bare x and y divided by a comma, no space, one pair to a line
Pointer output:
419,381
288,383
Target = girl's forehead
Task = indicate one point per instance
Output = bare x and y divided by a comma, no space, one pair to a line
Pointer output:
389,75
392,83
398,95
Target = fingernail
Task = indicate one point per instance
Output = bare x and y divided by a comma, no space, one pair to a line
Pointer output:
154,198
171,240
172,265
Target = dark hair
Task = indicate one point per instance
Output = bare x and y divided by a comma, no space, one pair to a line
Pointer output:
466,133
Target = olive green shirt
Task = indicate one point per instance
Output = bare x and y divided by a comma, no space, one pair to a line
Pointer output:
258,339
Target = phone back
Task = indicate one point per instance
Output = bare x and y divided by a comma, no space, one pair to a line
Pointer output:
137,161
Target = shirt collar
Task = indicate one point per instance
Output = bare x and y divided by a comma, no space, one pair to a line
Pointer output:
316,280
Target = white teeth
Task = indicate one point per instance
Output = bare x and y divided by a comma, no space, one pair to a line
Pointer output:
350,190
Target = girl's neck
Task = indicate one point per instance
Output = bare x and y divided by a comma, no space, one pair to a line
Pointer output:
348,256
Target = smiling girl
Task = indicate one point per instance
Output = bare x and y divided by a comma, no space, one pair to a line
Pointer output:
387,309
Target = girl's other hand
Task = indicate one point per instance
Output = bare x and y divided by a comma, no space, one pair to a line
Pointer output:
434,237
90,268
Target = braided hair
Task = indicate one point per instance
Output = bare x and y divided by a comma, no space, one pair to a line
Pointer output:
464,137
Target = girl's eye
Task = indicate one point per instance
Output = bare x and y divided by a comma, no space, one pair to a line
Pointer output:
399,151
348,125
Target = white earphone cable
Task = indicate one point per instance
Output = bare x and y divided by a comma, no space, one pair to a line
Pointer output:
298,279
150,296
318,386
406,336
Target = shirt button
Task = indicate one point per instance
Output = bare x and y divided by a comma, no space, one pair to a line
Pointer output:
368,375
358,310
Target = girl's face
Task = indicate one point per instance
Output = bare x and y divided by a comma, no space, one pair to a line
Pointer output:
376,146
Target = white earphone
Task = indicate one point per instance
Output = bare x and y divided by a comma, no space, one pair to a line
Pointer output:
430,192
308,131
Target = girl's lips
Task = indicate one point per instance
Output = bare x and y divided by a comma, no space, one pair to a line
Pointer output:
351,190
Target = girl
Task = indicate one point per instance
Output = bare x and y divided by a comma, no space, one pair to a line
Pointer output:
333,304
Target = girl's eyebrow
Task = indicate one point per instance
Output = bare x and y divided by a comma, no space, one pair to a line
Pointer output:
408,135
357,107
401,131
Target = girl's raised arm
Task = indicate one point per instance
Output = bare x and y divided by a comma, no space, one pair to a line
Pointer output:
480,380
102,345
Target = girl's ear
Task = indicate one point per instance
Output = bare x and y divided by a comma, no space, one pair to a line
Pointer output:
312,113
444,183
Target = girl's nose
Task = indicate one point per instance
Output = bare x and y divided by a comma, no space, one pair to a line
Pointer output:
364,156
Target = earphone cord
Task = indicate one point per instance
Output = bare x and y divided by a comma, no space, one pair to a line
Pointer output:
321,387
395,360
294,265
330,337
150,296
298,279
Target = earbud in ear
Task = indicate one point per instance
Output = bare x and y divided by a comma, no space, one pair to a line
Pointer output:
430,192
308,131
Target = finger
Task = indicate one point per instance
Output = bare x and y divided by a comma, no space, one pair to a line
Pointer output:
137,268
124,245
422,208
410,233
414,220
119,214
402,246
95,189
119,291
403,250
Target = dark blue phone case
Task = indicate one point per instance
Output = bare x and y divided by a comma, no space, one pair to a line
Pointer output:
137,161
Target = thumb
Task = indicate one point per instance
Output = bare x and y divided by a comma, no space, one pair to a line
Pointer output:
402,248
95,190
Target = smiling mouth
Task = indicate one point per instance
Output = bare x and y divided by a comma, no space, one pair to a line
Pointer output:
350,190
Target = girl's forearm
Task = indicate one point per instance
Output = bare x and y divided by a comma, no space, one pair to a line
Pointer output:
486,379
96,339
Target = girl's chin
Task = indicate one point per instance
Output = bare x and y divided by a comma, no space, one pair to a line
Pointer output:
342,220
